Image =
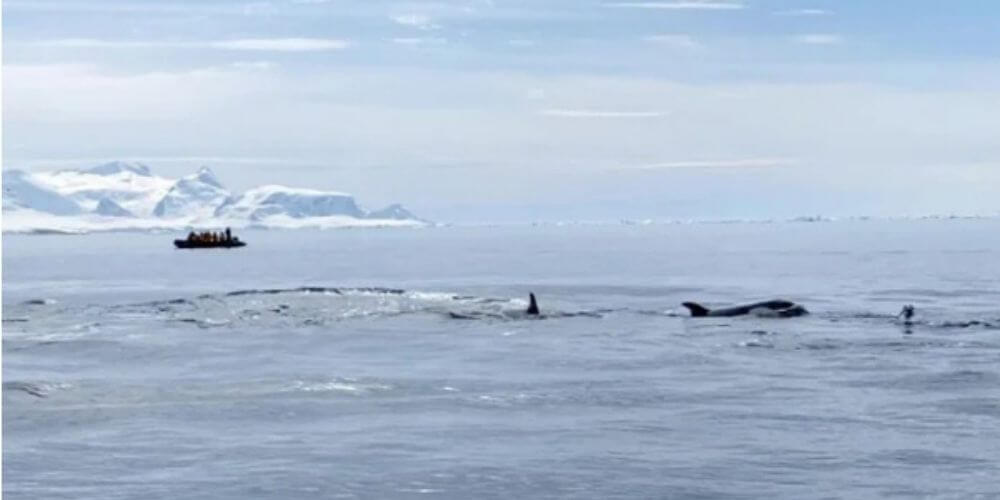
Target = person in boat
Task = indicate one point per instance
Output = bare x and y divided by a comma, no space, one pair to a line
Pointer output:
229,236
191,237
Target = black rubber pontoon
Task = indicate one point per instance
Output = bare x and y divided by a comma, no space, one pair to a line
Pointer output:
207,244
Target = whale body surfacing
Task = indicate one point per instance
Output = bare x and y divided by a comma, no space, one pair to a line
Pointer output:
769,308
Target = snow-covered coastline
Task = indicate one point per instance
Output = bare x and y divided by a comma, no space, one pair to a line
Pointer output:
125,196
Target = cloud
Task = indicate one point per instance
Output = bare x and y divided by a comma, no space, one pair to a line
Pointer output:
819,39
591,113
803,12
418,21
252,44
88,43
414,41
282,44
83,93
681,5
361,115
679,41
122,7
736,163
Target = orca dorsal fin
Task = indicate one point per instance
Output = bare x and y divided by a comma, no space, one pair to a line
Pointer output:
697,310
533,305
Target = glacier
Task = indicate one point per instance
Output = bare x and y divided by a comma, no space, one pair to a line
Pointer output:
121,196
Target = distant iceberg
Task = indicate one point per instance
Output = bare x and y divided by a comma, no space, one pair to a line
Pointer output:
128,196
266,201
392,212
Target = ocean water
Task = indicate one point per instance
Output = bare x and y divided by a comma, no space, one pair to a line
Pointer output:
396,364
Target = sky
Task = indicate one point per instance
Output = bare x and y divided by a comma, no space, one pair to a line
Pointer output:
525,110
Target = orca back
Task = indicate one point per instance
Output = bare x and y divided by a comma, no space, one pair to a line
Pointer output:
774,304
697,310
775,308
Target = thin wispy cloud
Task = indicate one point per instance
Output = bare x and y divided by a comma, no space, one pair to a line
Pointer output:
90,43
803,12
673,40
283,44
819,39
594,113
418,21
732,163
681,5
120,7
418,41
247,44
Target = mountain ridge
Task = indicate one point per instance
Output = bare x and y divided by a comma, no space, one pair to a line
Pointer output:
127,195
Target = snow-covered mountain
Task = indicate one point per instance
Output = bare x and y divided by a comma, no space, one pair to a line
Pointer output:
197,195
124,195
129,185
21,191
118,167
111,209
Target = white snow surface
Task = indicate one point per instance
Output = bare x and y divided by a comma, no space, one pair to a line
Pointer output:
121,196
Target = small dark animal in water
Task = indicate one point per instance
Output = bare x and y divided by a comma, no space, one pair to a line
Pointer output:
769,308
907,313
533,306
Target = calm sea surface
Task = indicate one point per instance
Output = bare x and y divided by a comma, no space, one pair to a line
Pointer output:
334,364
